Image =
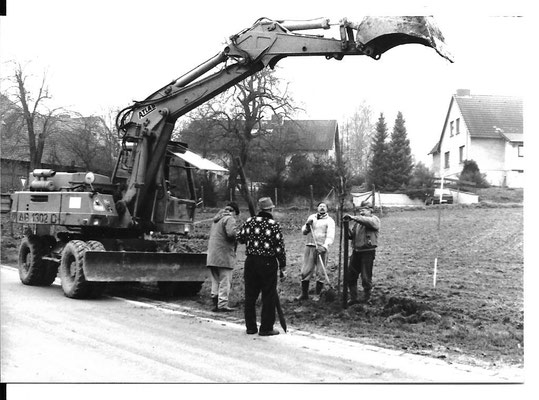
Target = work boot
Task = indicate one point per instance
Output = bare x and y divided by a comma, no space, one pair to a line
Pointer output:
367,297
214,300
353,296
273,332
304,291
319,287
226,309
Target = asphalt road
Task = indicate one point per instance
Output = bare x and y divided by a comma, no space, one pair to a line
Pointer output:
47,337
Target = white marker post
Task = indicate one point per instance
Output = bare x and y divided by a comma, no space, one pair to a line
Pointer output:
435,270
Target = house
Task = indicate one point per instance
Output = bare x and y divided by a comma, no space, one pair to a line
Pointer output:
487,129
314,139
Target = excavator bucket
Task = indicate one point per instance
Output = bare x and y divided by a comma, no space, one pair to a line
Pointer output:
379,34
135,266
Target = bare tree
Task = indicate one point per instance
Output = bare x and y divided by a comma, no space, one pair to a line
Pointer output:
86,140
109,138
356,133
236,119
38,120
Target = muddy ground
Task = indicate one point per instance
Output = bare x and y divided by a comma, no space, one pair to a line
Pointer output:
474,314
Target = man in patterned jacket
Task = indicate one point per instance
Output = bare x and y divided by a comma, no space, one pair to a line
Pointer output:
264,248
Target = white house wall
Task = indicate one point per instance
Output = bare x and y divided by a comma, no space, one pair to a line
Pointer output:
512,160
452,144
489,154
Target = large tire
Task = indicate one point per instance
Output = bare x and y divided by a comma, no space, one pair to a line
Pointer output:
74,284
31,263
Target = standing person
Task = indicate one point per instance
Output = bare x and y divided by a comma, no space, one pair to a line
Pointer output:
364,237
320,228
222,255
264,248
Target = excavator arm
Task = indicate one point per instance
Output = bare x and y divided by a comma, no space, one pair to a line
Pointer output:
148,124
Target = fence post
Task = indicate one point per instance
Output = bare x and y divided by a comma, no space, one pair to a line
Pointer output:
311,206
276,203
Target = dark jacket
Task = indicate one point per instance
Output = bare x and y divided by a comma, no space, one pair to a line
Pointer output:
364,233
262,236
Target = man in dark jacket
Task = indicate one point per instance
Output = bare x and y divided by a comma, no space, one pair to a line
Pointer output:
364,237
264,248
221,257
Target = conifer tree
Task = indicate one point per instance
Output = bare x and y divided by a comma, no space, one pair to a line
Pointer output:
400,156
378,166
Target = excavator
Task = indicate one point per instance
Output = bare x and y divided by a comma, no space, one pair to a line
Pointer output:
91,229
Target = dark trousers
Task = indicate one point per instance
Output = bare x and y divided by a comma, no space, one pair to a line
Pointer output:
361,263
260,275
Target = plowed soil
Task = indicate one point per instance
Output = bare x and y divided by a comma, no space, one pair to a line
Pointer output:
472,313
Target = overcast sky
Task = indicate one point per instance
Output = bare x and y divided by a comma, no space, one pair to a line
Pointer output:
102,54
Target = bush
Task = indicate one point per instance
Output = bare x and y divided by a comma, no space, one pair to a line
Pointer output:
470,172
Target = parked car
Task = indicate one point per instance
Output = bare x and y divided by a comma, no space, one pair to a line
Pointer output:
434,198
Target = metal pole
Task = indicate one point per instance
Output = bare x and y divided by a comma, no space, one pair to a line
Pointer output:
345,266
440,205
202,196
244,189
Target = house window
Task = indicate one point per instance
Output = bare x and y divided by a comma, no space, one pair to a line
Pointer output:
458,126
446,160
521,151
451,127
461,154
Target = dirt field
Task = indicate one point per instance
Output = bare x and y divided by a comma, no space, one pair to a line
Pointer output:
475,314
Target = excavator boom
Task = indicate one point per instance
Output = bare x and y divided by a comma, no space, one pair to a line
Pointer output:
252,49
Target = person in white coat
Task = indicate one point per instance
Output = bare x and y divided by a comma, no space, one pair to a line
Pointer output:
320,232
221,257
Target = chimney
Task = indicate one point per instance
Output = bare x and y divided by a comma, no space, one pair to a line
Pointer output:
463,92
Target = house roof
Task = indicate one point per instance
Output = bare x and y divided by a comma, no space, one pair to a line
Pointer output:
311,135
488,116
291,135
513,137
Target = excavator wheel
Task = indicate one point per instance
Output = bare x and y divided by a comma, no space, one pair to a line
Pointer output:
31,263
74,284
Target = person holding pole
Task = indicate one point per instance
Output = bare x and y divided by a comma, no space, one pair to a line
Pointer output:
265,255
364,237
320,232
